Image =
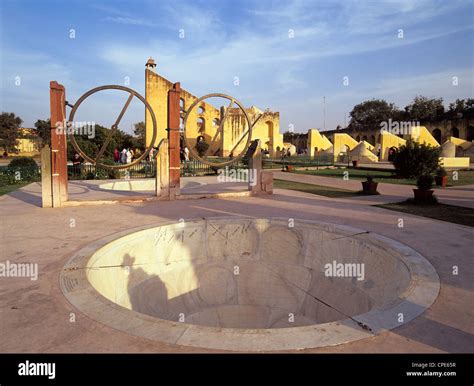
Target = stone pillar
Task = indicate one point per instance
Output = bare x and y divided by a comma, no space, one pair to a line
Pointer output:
173,139
255,170
262,181
46,192
58,144
267,182
162,171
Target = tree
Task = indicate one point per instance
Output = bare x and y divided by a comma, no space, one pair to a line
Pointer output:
43,130
288,136
9,130
369,114
140,131
425,109
414,160
462,108
91,146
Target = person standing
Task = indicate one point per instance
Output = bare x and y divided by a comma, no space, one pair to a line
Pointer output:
76,159
123,157
128,155
151,154
186,153
116,155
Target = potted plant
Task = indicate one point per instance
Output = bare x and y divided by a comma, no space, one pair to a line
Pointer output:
369,186
424,193
441,177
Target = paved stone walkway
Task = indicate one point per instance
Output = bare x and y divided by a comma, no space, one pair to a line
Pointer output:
36,317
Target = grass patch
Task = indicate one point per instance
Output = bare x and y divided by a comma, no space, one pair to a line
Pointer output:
465,177
7,188
443,212
325,191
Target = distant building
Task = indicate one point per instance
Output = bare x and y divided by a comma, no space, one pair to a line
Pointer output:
28,142
299,140
441,129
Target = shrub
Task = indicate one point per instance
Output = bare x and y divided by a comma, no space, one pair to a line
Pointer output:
91,172
103,174
414,160
90,176
22,169
424,182
22,162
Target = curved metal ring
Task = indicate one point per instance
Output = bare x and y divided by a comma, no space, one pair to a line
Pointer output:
249,135
94,161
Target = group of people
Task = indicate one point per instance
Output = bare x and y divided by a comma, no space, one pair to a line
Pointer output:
125,156
285,153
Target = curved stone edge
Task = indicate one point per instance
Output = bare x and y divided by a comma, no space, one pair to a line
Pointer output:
137,185
423,291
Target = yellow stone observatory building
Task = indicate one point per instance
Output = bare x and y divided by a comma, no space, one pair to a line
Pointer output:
204,119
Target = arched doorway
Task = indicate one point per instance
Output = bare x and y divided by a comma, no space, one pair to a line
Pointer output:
437,135
455,132
201,126
392,152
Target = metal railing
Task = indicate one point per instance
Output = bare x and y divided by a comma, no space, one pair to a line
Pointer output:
298,161
86,171
145,169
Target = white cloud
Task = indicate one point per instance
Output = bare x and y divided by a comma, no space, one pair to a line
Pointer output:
129,21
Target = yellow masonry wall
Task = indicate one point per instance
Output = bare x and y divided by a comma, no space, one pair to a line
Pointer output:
341,141
455,162
267,129
388,140
316,140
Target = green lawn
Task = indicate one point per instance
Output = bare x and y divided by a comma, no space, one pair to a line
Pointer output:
315,189
449,213
465,177
7,188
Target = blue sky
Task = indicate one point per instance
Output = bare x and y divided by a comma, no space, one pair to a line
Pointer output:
246,39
